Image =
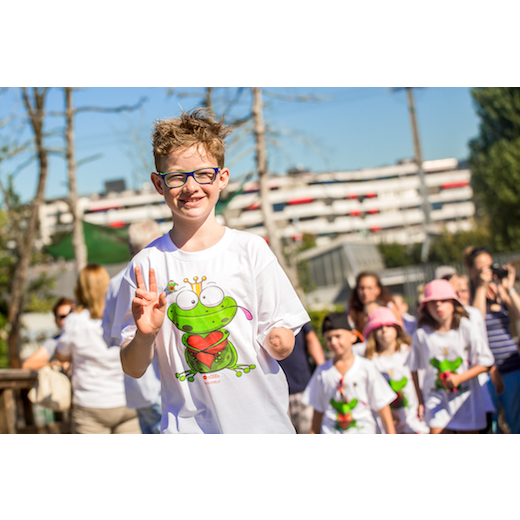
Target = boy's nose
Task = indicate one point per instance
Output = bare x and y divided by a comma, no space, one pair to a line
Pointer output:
191,183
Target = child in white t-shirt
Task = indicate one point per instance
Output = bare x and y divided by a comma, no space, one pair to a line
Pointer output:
453,354
388,348
214,301
347,390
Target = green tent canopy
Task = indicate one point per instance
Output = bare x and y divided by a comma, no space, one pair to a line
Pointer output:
105,245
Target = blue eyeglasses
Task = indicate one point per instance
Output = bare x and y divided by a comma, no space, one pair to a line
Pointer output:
179,179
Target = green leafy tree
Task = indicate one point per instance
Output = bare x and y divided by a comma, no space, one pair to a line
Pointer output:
448,247
37,297
400,255
495,163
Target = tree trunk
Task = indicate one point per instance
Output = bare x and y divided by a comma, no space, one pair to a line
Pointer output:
267,209
26,242
78,237
208,101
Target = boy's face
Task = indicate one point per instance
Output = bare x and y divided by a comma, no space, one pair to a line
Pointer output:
340,341
192,201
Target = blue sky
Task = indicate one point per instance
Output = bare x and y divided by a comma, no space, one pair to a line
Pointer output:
348,128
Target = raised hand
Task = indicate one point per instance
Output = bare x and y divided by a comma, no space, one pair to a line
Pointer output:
485,276
509,281
148,307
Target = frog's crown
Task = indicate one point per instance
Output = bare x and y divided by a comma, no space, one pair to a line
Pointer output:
196,286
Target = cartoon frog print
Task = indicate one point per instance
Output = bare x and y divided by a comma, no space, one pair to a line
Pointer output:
398,388
202,313
444,368
344,419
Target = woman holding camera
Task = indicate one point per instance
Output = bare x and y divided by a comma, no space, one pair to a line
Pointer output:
493,293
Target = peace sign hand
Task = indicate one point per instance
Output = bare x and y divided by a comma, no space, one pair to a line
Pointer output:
148,307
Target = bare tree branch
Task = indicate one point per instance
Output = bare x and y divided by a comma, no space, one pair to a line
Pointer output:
122,108
113,110
305,97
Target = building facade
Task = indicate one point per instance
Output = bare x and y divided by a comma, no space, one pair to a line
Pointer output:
369,204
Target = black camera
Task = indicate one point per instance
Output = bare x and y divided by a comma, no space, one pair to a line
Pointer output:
499,272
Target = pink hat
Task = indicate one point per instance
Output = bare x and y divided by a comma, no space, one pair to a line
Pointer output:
439,290
379,318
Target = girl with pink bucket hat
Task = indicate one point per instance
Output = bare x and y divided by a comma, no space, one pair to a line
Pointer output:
453,354
388,347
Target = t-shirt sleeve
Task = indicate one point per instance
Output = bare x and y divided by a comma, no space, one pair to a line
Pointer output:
278,303
123,326
50,346
379,392
314,394
110,310
479,352
66,339
418,357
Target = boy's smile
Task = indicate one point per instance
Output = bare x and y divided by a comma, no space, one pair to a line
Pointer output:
340,341
192,201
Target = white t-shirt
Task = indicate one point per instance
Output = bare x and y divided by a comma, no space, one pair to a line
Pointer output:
50,345
405,408
222,302
359,349
97,374
142,392
455,351
365,392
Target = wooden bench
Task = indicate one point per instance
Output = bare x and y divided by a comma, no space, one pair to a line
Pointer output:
12,380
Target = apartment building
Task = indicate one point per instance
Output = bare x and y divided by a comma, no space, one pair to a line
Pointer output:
374,203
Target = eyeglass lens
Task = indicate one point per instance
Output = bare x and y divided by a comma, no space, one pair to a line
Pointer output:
176,180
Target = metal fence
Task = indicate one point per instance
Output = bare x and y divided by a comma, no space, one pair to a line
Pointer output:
420,274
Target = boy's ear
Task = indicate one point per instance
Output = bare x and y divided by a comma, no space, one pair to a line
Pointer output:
223,178
157,182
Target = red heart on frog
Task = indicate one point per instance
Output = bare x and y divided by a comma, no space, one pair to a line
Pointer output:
202,348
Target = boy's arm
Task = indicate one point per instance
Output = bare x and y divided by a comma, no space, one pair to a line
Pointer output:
279,343
420,411
386,416
148,309
314,348
317,419
137,354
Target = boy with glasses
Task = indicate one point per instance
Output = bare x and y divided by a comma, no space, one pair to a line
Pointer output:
214,301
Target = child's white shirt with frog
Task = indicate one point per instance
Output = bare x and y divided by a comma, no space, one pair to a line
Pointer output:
216,375
405,408
365,392
459,350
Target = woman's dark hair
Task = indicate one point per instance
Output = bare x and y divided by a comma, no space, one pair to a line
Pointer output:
469,255
356,308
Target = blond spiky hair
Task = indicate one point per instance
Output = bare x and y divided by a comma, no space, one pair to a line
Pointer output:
192,128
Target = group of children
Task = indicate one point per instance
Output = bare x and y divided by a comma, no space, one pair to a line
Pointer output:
427,383
216,309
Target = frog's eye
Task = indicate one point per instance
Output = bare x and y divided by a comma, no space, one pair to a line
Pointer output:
187,300
212,297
